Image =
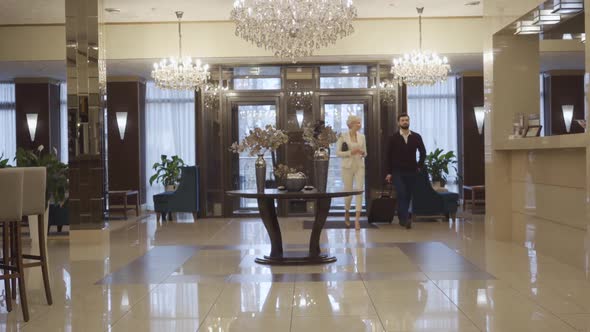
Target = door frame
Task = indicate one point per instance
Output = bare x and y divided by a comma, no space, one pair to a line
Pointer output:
231,101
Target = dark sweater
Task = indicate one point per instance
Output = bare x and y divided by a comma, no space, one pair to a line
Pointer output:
401,156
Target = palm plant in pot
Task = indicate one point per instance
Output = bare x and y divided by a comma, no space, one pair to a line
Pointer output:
438,163
167,172
4,162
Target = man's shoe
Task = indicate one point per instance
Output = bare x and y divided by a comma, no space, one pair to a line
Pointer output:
408,224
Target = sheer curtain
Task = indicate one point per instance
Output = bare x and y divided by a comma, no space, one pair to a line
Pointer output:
433,114
170,130
7,121
63,122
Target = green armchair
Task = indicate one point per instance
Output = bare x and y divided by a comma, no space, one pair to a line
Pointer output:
184,199
427,202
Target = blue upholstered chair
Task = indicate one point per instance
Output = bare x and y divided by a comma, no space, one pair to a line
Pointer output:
184,199
428,202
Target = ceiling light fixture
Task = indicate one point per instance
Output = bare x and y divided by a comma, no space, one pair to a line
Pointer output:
527,28
420,67
545,17
293,28
180,73
568,6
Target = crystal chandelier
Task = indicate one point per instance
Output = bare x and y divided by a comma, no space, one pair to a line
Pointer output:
180,73
293,28
388,92
299,99
420,67
211,95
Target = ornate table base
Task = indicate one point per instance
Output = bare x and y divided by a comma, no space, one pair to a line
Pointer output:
268,214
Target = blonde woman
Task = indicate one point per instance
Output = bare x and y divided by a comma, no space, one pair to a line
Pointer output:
352,148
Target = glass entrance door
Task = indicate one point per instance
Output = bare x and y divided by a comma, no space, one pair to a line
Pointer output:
246,117
335,114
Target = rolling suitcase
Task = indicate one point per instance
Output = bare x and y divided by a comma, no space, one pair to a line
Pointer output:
382,209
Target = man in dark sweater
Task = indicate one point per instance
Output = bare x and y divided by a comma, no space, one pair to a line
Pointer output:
402,165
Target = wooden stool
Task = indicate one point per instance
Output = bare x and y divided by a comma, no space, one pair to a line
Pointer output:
34,184
11,196
474,190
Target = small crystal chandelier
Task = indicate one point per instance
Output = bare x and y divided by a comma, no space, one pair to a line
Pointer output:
293,28
180,73
299,98
388,92
211,96
420,67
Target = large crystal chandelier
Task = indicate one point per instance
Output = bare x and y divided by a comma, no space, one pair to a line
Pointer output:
293,28
420,67
180,73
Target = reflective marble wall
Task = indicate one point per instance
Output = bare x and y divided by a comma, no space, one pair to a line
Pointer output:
537,188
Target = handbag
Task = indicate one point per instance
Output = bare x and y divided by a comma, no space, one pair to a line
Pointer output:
344,147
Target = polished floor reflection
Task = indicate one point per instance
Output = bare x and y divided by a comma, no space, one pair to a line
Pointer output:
184,276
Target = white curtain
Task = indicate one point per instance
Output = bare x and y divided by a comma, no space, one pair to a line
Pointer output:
63,122
7,122
433,114
170,130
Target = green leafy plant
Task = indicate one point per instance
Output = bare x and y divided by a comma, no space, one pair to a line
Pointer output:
4,162
167,170
57,172
437,164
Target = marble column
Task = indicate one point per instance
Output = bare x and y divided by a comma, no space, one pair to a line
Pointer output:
86,81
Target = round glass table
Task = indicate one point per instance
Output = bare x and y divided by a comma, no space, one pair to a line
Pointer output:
268,215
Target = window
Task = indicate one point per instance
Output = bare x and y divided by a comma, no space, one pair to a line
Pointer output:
433,114
7,122
170,130
344,77
257,78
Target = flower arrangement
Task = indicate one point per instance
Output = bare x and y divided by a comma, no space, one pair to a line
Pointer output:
57,172
261,140
282,170
319,135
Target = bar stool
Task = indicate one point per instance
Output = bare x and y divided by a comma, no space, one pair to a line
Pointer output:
34,200
11,197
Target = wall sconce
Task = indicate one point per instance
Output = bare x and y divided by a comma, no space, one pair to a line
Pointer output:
567,6
122,123
299,116
527,28
480,115
568,115
32,124
545,17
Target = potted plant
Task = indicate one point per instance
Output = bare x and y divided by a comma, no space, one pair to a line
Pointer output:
319,137
57,185
57,172
257,143
437,164
4,162
167,172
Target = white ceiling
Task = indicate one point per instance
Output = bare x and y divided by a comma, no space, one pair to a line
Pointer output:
52,11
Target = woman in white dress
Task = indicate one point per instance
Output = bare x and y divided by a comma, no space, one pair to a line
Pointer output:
352,148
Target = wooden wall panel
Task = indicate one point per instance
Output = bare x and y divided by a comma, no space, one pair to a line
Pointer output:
470,92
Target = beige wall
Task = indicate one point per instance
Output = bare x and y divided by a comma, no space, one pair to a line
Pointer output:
537,188
217,39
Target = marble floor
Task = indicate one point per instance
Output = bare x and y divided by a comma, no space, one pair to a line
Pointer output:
185,276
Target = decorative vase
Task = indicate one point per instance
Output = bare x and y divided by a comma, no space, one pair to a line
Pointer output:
321,161
260,166
295,181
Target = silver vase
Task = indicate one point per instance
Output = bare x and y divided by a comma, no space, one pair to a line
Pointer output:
260,166
321,161
295,181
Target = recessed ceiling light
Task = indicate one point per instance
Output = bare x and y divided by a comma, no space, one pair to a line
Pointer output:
112,10
472,3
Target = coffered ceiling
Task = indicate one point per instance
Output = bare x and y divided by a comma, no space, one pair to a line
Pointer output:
52,11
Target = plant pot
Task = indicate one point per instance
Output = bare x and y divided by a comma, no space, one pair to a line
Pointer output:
437,184
170,187
321,162
295,181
